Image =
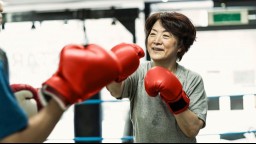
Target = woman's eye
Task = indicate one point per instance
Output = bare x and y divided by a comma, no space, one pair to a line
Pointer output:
152,34
166,36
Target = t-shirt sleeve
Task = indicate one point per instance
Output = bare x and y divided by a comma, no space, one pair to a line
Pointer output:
198,98
12,118
132,82
130,86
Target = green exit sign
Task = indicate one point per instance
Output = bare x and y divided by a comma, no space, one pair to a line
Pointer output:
223,17
228,17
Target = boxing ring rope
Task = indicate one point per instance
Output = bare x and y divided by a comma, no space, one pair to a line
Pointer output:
129,138
95,139
98,101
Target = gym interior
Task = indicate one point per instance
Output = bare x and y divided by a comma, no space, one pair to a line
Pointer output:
224,53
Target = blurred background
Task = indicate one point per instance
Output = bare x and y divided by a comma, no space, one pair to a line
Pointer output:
34,31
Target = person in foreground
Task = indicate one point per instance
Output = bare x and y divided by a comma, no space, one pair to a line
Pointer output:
78,77
168,102
29,114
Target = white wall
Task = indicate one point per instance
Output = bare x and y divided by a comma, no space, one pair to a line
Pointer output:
226,60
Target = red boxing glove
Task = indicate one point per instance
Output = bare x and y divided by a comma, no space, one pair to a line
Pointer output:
83,71
129,57
161,80
27,97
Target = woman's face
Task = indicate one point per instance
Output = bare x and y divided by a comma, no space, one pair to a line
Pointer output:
161,45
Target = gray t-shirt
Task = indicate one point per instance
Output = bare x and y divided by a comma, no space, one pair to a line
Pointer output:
152,120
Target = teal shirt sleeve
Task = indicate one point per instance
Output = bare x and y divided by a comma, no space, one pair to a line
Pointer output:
12,118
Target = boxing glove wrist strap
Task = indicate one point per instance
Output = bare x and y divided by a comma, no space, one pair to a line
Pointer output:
47,93
181,105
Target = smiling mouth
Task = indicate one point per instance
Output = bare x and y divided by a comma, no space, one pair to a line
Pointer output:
157,49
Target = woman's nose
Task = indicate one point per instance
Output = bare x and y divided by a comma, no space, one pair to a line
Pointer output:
157,40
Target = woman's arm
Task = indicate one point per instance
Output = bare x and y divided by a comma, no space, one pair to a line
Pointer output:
189,123
115,89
